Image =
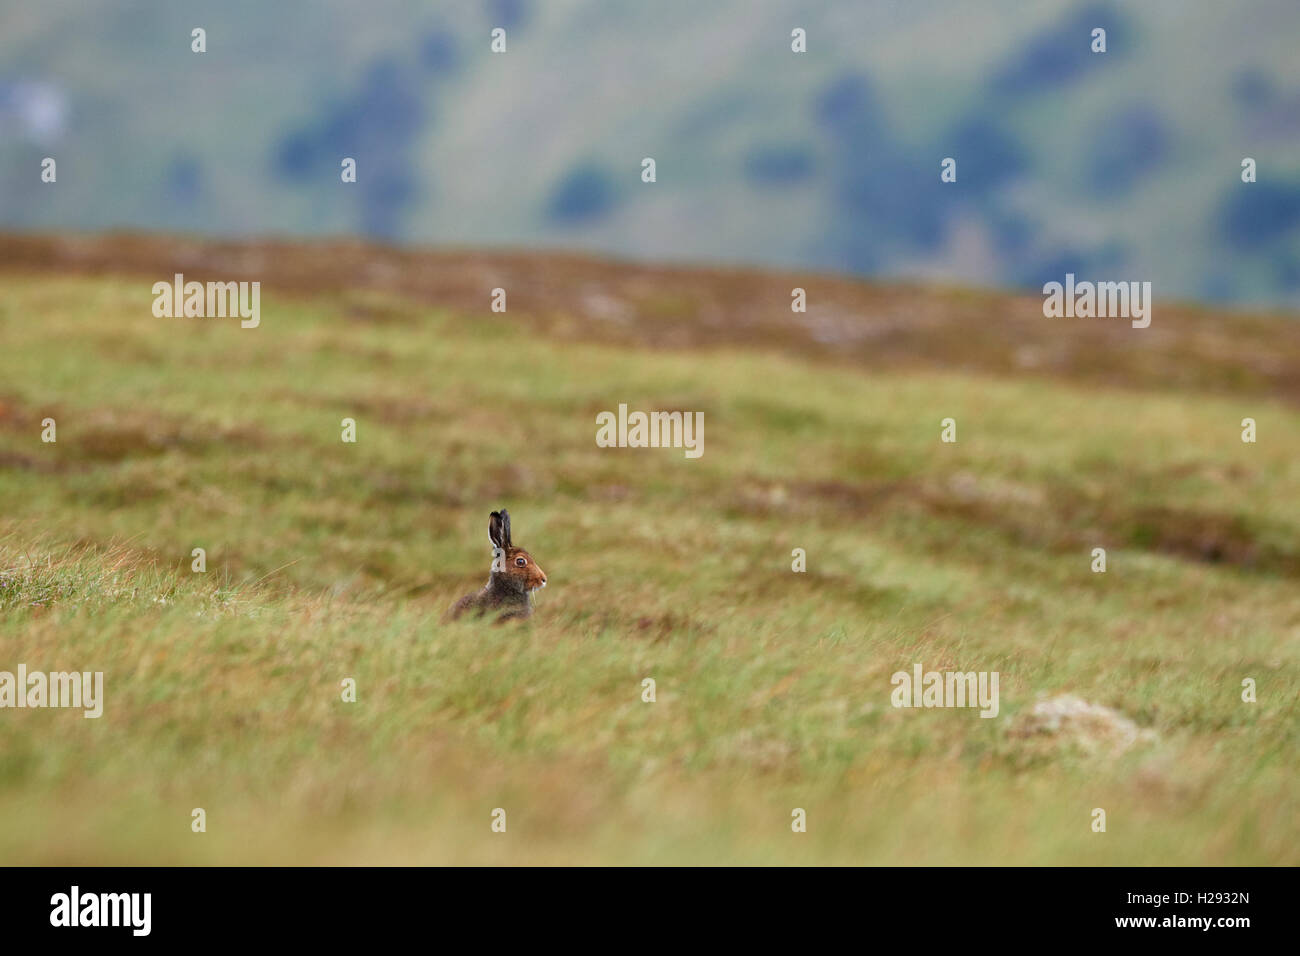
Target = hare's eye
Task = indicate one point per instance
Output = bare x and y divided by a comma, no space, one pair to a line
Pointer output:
520,562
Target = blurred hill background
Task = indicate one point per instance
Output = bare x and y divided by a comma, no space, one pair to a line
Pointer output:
1122,165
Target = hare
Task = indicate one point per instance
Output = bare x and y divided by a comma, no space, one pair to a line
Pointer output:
512,581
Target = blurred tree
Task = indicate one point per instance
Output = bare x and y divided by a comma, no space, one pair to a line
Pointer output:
1061,54
584,195
777,164
1135,144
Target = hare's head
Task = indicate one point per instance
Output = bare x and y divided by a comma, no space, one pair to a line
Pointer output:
512,566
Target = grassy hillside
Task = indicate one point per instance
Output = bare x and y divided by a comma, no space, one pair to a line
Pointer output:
329,560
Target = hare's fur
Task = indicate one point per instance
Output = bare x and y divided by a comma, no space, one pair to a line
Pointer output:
511,582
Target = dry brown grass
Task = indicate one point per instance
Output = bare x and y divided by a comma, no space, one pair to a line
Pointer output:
583,298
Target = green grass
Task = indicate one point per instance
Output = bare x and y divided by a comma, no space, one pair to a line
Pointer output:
329,560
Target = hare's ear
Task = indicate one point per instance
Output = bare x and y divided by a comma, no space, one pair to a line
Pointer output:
505,528
495,529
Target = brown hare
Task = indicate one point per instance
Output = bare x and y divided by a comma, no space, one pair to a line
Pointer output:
512,581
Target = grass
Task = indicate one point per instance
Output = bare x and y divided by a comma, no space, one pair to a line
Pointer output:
328,560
